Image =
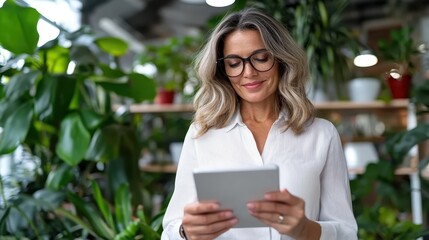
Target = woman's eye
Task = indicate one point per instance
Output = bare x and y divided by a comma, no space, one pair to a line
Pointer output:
260,57
233,63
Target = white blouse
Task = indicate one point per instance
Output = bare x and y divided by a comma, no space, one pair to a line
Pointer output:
312,166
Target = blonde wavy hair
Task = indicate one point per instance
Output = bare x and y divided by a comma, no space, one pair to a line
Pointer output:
216,101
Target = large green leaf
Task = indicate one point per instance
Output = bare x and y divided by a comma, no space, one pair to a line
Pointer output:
111,72
73,139
7,107
87,212
421,94
56,58
102,204
59,177
410,139
122,207
21,83
114,46
16,128
18,28
53,96
117,173
104,144
139,87
91,119
4,217
82,55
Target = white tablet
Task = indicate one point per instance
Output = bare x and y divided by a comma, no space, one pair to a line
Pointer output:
234,188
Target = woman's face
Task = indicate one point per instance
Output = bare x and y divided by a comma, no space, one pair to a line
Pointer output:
251,85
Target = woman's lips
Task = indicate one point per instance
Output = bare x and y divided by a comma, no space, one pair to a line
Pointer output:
253,85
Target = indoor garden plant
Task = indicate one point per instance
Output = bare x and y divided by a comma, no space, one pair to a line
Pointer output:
172,62
379,196
55,103
399,50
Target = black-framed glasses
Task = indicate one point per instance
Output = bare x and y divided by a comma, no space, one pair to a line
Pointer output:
233,66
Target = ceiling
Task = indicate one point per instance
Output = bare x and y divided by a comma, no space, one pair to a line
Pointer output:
142,21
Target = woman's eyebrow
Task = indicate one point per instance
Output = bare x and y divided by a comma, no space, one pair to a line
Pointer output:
256,51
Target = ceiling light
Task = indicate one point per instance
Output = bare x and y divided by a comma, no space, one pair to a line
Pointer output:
219,3
365,59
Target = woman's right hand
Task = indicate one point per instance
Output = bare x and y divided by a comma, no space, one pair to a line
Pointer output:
206,220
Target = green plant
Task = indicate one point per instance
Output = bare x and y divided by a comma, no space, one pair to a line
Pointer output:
103,222
55,102
172,60
379,198
378,217
400,48
319,29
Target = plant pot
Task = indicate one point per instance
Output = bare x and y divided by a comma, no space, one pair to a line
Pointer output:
399,87
164,96
363,89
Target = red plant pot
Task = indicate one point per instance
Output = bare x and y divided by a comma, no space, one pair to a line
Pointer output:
399,87
164,96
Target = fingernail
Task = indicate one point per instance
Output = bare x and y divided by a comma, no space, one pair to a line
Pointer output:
215,206
228,214
267,196
250,205
233,221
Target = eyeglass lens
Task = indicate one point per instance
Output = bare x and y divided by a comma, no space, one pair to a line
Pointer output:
260,61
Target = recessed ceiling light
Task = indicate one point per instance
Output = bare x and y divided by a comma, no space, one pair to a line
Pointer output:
219,3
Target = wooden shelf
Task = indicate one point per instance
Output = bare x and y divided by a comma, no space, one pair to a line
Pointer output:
408,169
165,168
398,171
346,105
158,108
334,105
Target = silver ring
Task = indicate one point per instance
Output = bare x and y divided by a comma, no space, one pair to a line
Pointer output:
280,219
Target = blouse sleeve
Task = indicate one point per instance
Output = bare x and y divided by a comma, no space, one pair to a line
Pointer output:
336,214
184,190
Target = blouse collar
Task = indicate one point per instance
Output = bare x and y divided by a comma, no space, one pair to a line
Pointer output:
237,120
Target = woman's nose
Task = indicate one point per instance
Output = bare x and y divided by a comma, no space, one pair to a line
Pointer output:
249,70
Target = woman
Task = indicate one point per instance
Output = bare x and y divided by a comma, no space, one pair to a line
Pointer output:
252,110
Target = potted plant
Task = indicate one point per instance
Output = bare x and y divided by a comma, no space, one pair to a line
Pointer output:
399,50
55,103
379,196
172,61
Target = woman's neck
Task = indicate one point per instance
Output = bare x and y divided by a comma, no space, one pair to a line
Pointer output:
258,113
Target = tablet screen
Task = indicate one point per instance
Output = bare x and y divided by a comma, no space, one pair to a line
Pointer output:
234,188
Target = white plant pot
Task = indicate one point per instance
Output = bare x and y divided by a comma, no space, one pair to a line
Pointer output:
360,154
175,151
364,89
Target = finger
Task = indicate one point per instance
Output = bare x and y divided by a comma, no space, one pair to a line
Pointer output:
274,217
211,229
205,219
201,208
282,196
270,217
268,207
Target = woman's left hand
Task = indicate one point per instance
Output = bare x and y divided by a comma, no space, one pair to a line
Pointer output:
286,213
